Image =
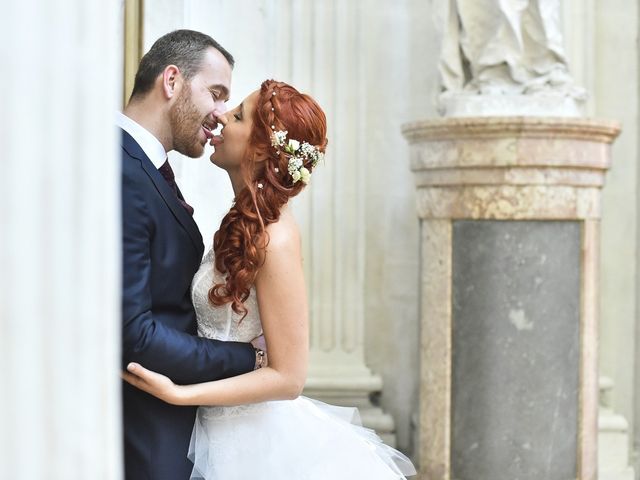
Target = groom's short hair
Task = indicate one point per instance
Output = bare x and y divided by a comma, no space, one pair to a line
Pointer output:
183,48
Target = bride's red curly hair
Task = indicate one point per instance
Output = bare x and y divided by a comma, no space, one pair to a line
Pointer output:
241,241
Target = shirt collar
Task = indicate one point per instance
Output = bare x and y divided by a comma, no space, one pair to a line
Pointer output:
150,145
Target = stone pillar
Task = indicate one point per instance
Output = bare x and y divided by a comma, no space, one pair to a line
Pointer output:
509,210
332,212
59,241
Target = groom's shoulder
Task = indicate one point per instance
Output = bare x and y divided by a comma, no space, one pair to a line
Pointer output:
134,176
131,155
131,150
131,167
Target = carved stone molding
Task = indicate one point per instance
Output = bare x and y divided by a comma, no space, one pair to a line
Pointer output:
509,167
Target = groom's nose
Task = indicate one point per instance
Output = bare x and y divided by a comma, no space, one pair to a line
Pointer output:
220,108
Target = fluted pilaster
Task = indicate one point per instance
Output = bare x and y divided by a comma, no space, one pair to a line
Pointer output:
326,40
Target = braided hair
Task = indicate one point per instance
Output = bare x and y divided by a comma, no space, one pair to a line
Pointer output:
241,241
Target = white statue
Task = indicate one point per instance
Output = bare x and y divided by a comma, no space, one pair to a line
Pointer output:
503,47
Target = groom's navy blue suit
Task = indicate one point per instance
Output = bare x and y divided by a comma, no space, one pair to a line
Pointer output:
162,251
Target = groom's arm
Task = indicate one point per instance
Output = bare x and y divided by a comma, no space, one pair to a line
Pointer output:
182,357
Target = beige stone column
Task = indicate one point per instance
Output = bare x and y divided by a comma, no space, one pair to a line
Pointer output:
329,63
60,241
512,170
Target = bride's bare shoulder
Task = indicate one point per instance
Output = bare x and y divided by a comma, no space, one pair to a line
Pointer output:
284,235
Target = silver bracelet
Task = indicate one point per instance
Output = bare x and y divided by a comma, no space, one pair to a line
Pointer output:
259,358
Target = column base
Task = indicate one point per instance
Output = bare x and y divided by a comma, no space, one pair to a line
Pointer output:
613,439
613,447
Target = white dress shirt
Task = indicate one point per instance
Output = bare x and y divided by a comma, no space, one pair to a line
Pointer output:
150,145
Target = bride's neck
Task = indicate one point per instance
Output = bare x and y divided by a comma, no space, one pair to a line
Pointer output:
237,182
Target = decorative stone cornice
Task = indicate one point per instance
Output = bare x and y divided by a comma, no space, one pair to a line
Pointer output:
510,167
595,130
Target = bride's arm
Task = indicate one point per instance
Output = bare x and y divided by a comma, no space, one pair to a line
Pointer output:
282,303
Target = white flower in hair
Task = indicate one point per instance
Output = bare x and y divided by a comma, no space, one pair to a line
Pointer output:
307,149
305,175
298,154
293,146
317,158
295,163
278,138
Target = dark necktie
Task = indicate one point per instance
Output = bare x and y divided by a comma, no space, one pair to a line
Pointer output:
167,172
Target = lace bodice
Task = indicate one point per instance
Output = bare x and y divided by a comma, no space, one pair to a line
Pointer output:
221,323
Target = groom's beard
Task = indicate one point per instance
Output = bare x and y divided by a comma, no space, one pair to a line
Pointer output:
186,124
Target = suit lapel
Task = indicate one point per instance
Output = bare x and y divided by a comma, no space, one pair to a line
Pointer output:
183,217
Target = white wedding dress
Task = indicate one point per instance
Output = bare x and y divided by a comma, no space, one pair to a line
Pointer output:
299,439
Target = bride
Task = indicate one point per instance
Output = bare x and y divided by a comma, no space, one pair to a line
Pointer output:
257,424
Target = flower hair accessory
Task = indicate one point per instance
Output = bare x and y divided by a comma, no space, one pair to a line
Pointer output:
298,154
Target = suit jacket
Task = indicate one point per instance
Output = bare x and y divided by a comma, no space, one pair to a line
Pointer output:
162,250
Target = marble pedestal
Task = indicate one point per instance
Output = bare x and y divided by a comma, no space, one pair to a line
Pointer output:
509,210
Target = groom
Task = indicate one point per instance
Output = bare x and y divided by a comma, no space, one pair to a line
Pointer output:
181,87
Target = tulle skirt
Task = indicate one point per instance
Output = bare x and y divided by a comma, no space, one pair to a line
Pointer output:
300,439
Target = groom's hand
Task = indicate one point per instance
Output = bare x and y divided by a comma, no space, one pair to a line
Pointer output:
260,346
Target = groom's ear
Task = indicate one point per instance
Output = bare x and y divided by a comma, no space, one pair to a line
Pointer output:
171,81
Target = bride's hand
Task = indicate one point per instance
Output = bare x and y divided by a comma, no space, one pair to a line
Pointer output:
153,383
